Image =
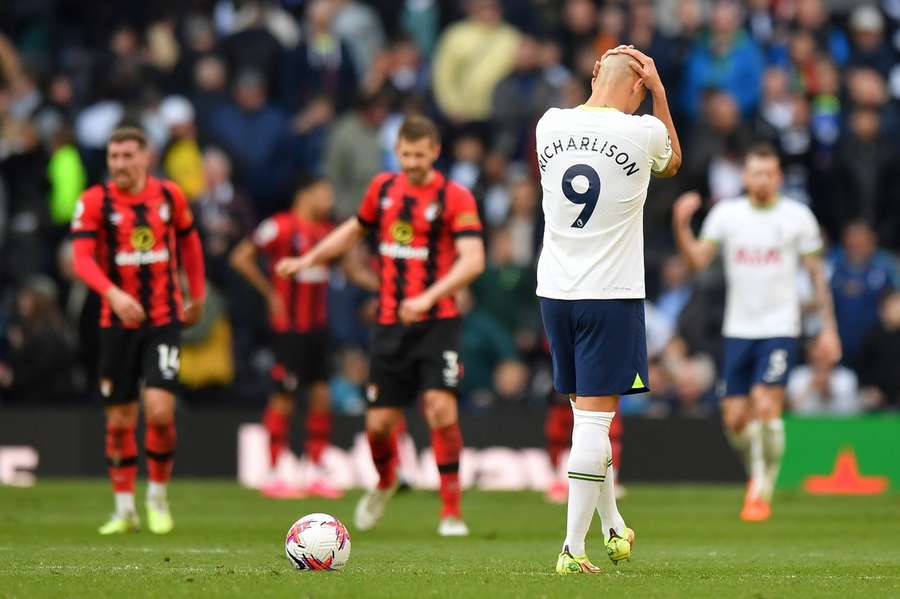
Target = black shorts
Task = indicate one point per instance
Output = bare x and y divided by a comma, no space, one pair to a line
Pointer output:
130,357
407,360
300,359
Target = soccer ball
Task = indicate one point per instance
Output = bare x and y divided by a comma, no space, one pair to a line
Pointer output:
318,542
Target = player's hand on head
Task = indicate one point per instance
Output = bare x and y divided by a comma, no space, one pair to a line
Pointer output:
128,309
685,207
645,68
193,311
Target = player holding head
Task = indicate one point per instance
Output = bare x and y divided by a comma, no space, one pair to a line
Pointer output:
428,237
596,161
763,237
298,319
128,235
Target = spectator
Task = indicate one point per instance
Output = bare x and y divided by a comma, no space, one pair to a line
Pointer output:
820,388
578,28
321,66
181,160
357,24
812,17
355,154
861,275
519,100
878,372
718,143
505,292
251,130
864,179
489,353
676,289
724,59
526,232
224,216
42,359
472,57
869,48
252,45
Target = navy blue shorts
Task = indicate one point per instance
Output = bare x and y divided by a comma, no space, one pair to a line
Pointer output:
749,362
599,347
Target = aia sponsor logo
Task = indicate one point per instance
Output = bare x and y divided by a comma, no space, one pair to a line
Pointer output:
758,256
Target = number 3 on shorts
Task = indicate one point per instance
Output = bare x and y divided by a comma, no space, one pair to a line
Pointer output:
169,361
451,368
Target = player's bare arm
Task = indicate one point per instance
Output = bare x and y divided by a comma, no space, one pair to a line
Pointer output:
356,268
335,245
828,339
645,67
469,264
191,251
697,252
243,260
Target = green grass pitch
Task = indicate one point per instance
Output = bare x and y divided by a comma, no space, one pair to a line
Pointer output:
228,543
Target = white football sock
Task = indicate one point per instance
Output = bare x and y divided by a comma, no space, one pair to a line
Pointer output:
773,442
586,470
124,503
606,506
156,492
747,443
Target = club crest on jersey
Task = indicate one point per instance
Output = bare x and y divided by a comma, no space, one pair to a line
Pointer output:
432,212
142,239
402,232
386,202
115,218
165,213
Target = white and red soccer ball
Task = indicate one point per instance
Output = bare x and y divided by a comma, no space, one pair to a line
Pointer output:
318,542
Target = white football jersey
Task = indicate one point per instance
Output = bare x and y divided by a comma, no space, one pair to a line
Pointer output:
761,249
595,168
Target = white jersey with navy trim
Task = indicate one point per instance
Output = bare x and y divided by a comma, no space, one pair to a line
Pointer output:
595,168
761,249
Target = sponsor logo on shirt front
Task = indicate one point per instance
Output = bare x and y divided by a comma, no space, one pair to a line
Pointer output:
142,258
402,252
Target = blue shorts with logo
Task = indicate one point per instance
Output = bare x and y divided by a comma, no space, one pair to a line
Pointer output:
599,347
749,362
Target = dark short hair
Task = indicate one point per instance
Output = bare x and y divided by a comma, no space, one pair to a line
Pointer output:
761,150
121,134
418,127
306,181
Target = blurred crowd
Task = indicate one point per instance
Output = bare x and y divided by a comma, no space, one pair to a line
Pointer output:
239,96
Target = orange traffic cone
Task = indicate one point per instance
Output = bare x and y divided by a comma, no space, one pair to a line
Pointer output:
846,479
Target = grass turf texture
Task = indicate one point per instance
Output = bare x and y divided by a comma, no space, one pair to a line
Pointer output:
228,542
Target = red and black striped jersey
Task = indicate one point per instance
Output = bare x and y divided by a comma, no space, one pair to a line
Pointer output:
304,296
415,230
136,245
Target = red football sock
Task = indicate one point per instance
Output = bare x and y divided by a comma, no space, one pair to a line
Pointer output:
558,431
159,443
615,440
447,444
121,455
384,455
318,434
278,425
